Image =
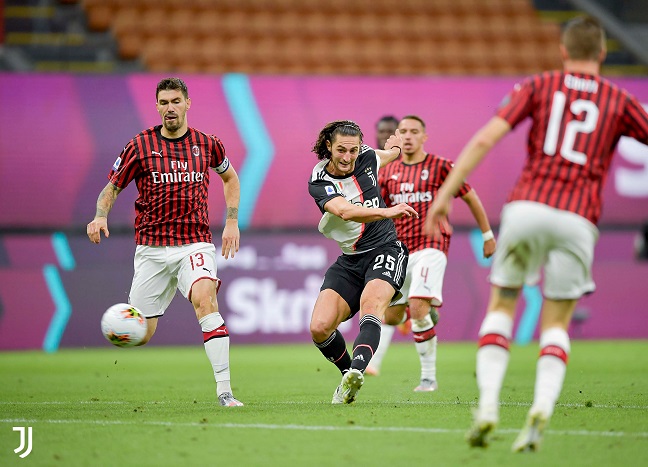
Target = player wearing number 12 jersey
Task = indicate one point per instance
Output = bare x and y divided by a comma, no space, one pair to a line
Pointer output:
371,269
550,218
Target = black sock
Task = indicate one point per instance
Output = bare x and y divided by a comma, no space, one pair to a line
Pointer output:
366,343
334,349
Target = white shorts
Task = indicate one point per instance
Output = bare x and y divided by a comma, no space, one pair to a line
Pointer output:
424,277
533,235
161,270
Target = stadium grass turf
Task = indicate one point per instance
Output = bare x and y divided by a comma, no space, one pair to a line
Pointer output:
156,406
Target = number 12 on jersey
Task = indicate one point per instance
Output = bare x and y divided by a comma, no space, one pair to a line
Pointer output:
573,127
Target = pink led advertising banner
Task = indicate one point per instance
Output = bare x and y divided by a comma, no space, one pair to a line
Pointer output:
62,133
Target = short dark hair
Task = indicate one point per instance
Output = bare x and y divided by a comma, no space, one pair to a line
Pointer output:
330,131
584,38
172,84
387,119
414,117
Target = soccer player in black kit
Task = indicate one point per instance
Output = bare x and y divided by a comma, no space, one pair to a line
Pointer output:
371,269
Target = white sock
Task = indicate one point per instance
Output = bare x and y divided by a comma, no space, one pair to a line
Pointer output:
492,361
386,334
427,354
216,338
550,370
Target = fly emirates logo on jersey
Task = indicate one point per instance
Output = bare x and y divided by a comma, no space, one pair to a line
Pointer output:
180,174
408,195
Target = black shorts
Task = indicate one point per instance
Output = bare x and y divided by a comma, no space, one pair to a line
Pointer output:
350,273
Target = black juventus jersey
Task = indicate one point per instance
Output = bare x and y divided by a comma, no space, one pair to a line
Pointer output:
361,187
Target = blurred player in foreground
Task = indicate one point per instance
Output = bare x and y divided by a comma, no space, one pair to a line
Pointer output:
550,217
170,165
371,269
415,178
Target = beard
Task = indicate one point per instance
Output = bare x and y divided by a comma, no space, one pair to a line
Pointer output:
173,125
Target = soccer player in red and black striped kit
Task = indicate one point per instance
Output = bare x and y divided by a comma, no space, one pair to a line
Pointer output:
550,217
170,164
414,178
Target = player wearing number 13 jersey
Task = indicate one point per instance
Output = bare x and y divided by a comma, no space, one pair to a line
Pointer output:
170,165
549,221
371,270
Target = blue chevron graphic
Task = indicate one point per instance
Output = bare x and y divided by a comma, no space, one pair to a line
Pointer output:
257,141
56,289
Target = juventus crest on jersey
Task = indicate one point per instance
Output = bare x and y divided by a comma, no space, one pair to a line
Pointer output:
361,187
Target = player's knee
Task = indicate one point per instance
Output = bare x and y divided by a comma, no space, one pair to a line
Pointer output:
394,317
419,309
320,331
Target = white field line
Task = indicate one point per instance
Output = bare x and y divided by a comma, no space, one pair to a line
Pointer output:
266,426
188,402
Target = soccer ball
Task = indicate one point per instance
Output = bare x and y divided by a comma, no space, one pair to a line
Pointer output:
123,325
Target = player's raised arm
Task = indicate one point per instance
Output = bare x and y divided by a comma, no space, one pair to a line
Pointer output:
392,149
469,158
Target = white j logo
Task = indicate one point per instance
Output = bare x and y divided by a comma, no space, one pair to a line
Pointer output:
22,446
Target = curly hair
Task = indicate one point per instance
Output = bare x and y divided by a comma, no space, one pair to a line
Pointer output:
330,131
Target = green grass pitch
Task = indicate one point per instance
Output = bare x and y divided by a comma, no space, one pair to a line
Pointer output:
156,406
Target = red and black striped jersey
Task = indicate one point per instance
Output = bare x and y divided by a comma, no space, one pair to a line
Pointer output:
417,185
172,179
577,120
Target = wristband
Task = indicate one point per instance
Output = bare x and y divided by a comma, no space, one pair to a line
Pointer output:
488,235
400,151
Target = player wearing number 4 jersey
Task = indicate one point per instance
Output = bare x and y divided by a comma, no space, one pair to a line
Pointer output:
415,178
550,218
371,269
170,164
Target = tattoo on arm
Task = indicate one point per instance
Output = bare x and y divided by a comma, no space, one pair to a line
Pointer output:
106,200
232,213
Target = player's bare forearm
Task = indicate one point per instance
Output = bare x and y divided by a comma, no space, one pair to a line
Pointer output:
105,203
232,213
352,212
479,213
106,200
231,234
232,192
391,150
477,209
472,154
